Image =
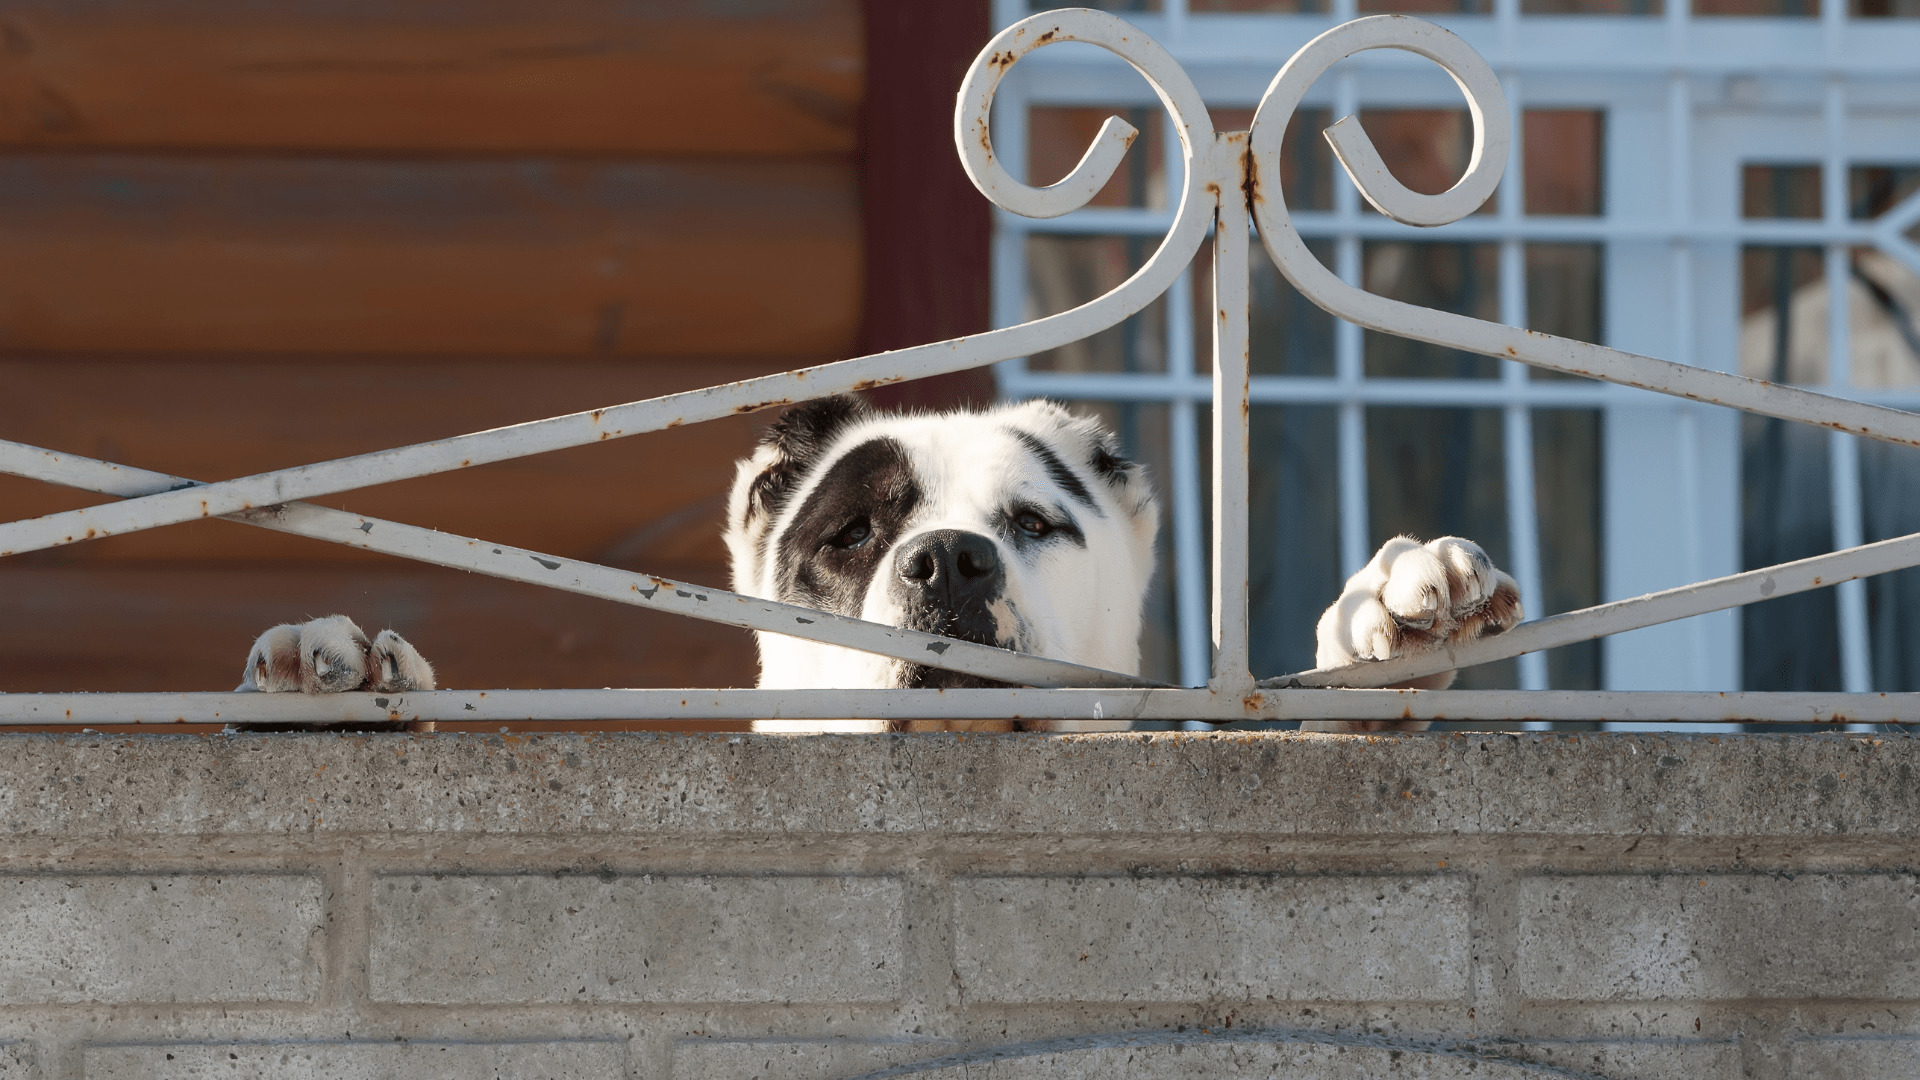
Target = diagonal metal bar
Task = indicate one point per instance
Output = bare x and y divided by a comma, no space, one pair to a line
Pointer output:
1191,220
569,575
1112,709
1801,575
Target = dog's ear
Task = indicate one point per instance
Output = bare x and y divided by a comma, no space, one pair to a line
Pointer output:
763,483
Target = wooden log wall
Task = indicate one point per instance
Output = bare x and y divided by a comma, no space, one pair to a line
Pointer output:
243,234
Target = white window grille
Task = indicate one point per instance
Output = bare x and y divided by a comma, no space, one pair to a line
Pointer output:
1227,167
1695,111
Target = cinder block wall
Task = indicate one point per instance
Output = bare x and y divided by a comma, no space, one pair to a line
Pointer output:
1145,907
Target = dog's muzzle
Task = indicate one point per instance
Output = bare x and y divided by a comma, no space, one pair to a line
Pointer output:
945,582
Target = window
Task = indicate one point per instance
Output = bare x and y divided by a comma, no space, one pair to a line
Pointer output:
1664,197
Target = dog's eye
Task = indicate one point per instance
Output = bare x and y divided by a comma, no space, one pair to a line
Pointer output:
853,535
1032,524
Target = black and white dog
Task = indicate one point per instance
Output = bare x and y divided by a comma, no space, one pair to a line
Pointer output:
1019,526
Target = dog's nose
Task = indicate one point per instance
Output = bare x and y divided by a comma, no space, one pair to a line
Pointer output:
950,568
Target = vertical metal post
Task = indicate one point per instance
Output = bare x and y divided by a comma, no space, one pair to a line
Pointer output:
1523,519
1190,587
1680,269
1843,453
1232,670
1349,358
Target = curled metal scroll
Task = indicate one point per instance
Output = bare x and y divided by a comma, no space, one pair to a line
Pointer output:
1492,135
973,135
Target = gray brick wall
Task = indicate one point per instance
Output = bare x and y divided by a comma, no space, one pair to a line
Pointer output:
1147,907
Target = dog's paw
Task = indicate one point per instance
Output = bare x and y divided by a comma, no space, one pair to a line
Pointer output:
1413,597
395,666
332,655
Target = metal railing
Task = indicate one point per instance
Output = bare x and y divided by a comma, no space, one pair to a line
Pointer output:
1231,192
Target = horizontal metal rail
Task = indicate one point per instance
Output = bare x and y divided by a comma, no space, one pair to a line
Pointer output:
1586,624
1313,390
1543,228
1089,707
1219,179
571,575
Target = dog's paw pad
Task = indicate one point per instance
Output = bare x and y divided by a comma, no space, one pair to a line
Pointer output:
333,655
1374,632
395,666
1485,600
273,664
1417,592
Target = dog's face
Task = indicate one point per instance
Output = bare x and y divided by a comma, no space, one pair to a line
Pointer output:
1019,527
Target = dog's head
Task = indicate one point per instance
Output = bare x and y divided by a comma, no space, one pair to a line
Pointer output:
1019,526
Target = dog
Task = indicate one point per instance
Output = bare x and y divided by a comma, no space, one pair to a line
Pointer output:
1020,526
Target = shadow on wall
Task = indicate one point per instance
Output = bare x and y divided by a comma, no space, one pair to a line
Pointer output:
1274,1053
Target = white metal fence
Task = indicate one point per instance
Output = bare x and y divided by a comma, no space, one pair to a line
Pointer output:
1229,189
1687,103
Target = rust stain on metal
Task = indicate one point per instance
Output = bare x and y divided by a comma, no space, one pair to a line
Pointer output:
1249,176
868,384
775,403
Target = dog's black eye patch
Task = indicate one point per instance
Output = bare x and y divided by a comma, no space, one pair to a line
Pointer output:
841,532
1058,471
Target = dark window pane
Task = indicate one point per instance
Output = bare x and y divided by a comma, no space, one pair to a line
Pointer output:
1890,497
1780,191
1066,271
1873,190
1592,7
1563,294
1119,7
1461,278
1566,480
1284,7
1287,333
1792,642
1439,472
1563,148
1806,8
1783,315
1295,517
1427,7
1884,9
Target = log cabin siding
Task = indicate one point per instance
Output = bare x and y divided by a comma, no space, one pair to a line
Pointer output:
245,235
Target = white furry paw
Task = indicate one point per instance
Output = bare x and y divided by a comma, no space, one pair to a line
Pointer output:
395,666
1413,597
332,655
